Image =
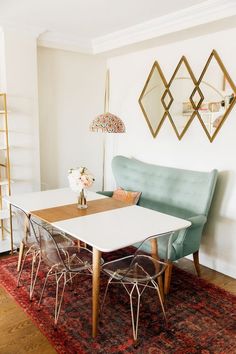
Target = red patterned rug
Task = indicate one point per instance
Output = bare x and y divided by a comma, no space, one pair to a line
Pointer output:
201,317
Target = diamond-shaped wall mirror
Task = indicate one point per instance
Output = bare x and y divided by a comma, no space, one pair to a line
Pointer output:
219,95
181,111
150,99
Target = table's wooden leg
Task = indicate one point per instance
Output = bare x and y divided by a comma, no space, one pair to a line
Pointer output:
11,229
154,252
96,289
168,277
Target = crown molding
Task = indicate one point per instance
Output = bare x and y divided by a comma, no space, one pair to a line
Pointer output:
61,41
206,12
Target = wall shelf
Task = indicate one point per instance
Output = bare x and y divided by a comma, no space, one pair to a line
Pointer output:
4,214
4,182
5,245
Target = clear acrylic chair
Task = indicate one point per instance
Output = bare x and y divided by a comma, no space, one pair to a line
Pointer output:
29,246
62,263
135,273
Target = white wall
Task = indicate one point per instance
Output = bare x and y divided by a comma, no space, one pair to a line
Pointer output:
194,151
21,85
71,94
2,62
19,79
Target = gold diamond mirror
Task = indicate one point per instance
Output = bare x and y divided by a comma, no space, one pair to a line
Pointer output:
211,98
150,99
180,87
218,92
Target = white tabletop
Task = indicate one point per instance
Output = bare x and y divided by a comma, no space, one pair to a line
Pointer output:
107,231
47,199
111,230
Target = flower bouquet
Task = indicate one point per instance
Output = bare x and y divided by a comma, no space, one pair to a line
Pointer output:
80,179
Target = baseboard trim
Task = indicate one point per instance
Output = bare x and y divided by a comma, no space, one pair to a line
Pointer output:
216,264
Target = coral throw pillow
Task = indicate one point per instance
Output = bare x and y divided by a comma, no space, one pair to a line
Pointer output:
126,196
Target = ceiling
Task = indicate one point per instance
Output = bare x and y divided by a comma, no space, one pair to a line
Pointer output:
88,24
87,18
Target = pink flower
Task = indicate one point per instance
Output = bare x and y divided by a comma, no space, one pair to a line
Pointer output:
80,178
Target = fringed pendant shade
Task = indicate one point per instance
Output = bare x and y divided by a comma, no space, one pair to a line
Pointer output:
107,123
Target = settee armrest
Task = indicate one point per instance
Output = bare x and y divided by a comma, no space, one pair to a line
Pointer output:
106,193
178,243
197,220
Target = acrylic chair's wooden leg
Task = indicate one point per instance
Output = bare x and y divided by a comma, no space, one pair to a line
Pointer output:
168,273
154,253
96,289
21,252
196,262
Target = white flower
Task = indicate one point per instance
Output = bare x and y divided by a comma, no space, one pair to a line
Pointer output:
80,178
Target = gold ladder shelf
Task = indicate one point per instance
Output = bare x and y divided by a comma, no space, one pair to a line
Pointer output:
5,178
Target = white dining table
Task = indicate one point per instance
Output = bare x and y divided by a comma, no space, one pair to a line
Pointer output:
104,230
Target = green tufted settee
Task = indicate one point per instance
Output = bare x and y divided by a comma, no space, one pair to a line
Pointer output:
178,192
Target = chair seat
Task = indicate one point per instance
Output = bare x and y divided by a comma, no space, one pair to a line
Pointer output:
62,240
31,244
79,258
140,268
76,259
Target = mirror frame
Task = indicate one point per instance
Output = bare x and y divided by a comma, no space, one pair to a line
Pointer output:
215,55
157,67
183,61
196,89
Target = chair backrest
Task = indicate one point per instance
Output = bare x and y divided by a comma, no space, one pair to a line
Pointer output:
166,189
50,252
140,262
24,226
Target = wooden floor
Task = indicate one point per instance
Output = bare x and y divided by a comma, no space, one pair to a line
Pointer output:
18,335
